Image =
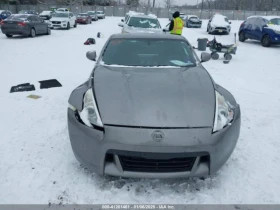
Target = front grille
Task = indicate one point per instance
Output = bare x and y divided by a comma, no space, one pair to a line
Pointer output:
220,28
56,22
140,164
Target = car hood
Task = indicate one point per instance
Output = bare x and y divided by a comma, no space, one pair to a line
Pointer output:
143,30
154,97
220,24
59,19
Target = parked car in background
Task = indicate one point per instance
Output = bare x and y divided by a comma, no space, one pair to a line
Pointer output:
64,20
192,21
84,18
62,10
24,24
4,14
193,134
139,23
93,15
30,12
100,14
46,15
265,29
219,24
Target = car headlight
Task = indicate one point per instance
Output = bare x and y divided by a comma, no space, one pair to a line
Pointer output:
277,32
64,21
223,113
90,115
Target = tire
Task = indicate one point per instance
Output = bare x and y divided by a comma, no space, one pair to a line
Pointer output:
242,37
75,25
68,26
9,35
215,56
32,33
227,56
266,42
49,32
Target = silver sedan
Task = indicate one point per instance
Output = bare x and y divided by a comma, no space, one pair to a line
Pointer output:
150,110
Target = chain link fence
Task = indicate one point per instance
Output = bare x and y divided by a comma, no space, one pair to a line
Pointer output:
120,11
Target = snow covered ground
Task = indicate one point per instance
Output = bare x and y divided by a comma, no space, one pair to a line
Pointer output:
36,160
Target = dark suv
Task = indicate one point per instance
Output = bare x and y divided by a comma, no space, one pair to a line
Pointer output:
264,29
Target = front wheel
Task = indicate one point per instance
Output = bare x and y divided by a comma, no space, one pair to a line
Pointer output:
75,25
266,41
49,31
68,26
242,37
9,35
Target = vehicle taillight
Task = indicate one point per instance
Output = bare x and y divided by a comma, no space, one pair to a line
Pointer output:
1,22
22,24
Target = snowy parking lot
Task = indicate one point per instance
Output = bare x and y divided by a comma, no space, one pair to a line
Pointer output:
37,164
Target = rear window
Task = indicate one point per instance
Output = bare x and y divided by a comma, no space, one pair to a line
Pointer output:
143,22
18,17
82,15
148,52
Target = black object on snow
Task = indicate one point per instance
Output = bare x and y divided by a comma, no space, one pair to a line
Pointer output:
51,83
202,44
90,41
98,34
22,88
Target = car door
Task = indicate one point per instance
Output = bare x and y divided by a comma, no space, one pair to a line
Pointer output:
249,28
256,28
36,24
43,27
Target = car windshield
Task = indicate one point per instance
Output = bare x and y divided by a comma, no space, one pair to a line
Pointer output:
143,22
100,12
274,21
91,13
193,18
148,52
82,15
23,12
61,15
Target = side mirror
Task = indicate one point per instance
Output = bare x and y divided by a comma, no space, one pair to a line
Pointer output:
122,20
205,57
91,55
120,24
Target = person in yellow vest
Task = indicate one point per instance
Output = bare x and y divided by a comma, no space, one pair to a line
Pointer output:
176,25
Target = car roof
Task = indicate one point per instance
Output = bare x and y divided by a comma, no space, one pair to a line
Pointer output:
219,15
82,13
192,16
146,36
264,17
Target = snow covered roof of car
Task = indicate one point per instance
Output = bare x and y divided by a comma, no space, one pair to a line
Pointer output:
135,13
192,16
264,17
144,16
146,35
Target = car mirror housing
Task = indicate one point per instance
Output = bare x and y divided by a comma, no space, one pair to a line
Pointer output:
122,20
91,55
205,57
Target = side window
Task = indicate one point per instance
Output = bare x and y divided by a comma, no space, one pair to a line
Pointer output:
71,14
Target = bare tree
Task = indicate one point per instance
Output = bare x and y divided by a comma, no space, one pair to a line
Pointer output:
169,3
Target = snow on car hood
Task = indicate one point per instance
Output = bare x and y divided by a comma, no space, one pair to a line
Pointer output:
274,27
154,97
220,21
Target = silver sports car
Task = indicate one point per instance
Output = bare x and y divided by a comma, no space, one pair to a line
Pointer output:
151,110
